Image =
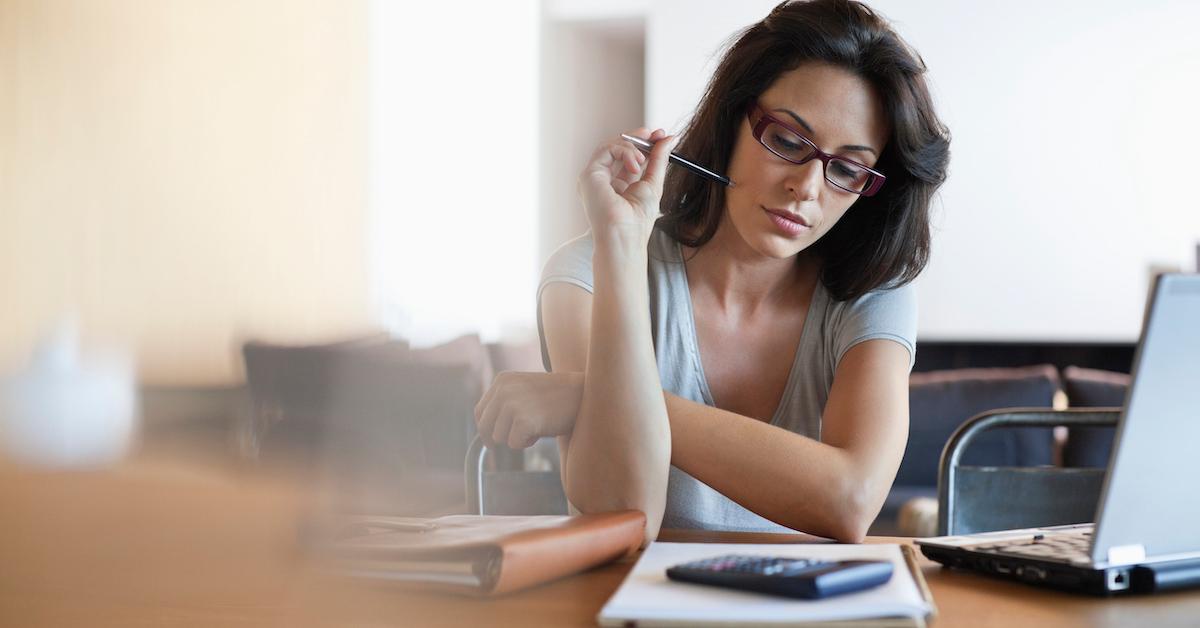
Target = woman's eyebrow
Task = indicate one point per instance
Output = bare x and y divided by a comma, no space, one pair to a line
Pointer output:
808,128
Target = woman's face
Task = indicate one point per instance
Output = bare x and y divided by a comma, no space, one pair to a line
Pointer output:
841,114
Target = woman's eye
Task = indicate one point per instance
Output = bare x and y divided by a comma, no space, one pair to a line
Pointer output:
787,144
846,170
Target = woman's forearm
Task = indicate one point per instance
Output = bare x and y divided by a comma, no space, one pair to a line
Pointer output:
785,477
620,448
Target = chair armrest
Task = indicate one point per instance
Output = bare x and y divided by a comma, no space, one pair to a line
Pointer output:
1006,417
476,456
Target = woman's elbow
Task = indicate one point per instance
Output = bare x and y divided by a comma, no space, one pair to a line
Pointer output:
850,530
858,508
604,497
586,502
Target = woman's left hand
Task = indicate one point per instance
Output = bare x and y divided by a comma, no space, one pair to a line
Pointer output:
519,408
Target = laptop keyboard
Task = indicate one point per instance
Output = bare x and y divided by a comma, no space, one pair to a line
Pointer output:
1074,547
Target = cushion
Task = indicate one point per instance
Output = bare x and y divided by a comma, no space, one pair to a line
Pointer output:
467,350
1091,388
940,401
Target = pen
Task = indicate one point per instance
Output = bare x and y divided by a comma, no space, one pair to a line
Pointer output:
645,147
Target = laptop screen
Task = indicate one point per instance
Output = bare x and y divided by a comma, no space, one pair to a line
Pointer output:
1151,498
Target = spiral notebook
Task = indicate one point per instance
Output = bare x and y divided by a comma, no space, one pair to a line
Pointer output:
648,598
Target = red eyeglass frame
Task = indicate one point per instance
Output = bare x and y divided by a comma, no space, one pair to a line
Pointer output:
759,119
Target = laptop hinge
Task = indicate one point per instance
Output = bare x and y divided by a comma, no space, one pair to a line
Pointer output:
1126,554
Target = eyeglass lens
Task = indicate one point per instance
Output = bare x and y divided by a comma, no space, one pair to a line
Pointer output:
795,148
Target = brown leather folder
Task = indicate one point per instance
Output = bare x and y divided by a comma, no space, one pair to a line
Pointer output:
480,555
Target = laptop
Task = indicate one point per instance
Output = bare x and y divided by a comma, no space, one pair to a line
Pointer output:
1146,535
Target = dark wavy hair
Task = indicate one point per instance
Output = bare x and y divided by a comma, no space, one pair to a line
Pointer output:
883,240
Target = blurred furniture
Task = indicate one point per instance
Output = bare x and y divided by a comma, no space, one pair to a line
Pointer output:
947,355
982,498
1092,388
294,388
382,426
290,386
510,492
396,434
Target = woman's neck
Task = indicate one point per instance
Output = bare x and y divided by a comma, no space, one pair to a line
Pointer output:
742,282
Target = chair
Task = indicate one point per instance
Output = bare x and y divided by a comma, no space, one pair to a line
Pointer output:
517,492
379,426
290,386
938,402
985,498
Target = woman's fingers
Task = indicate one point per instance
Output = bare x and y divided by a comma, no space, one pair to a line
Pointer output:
656,167
620,185
612,151
504,421
485,410
519,433
520,408
633,159
629,170
486,426
621,152
487,397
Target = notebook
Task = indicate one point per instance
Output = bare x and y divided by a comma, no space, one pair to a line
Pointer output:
477,555
648,598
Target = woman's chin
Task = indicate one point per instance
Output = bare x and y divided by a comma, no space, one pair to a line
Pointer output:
778,249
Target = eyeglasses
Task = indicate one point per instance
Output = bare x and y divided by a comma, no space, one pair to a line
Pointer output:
788,144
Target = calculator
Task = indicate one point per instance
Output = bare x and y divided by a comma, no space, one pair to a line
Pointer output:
789,577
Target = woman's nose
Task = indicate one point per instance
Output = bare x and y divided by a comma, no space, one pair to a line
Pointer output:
806,180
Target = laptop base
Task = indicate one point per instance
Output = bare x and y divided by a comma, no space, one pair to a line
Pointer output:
1037,572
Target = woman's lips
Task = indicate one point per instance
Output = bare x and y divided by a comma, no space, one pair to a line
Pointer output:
788,223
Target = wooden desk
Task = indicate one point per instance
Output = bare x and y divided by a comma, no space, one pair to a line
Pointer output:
157,544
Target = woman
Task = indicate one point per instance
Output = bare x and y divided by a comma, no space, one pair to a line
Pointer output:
742,361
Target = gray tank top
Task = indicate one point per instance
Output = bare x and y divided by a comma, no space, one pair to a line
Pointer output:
831,327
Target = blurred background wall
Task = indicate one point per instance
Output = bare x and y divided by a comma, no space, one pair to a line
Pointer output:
182,174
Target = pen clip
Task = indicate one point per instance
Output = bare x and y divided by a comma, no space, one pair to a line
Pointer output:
637,141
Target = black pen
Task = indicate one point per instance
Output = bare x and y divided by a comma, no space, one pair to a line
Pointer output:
645,147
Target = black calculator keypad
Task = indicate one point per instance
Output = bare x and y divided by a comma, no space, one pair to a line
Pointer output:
790,577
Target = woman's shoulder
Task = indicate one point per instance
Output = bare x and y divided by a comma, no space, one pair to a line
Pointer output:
889,312
888,299
572,262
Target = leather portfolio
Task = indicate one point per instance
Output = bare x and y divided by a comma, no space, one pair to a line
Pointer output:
479,555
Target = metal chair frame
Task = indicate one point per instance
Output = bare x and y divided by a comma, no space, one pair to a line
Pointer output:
476,456
527,492
951,467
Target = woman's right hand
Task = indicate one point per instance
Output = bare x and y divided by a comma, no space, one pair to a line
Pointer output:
621,187
520,408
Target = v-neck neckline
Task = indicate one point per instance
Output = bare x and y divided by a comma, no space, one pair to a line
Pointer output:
694,336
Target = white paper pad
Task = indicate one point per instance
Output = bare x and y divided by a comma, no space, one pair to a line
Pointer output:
649,598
